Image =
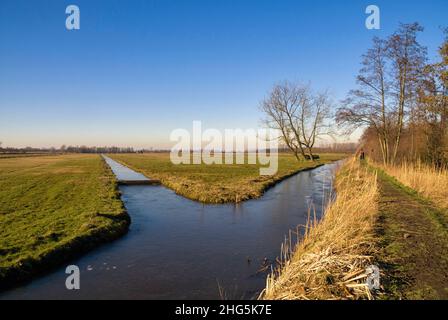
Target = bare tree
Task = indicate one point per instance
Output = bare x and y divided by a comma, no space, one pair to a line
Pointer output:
367,106
432,109
315,114
300,116
407,62
388,82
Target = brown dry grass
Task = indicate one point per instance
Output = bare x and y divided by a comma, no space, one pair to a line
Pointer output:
427,180
217,183
331,259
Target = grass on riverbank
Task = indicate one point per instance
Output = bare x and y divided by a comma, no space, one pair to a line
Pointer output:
412,237
53,207
375,220
330,261
216,183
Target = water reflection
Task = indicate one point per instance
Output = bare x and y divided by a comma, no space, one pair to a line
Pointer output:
122,172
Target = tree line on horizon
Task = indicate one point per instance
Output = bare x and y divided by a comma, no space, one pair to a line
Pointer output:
70,149
342,147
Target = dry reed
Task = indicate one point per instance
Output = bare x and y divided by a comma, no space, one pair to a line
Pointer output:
427,180
331,259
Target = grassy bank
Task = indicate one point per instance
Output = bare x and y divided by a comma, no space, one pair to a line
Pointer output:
428,181
376,219
412,235
52,208
331,259
216,183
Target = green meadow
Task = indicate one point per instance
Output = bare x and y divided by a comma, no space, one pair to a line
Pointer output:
53,207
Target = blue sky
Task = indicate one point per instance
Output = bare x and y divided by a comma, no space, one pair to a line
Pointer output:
138,69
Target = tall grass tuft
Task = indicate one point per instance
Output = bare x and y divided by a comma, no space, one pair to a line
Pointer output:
425,179
330,261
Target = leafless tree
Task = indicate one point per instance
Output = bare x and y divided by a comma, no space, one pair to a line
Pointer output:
387,87
300,115
367,105
408,58
432,108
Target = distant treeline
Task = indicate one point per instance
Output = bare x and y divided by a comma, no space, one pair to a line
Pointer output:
335,147
74,149
344,147
84,149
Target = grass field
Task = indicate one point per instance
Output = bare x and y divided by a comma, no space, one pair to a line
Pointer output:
216,183
21,155
52,207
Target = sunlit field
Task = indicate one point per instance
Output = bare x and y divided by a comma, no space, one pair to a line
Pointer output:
217,183
54,206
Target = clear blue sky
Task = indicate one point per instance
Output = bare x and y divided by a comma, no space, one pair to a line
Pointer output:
138,69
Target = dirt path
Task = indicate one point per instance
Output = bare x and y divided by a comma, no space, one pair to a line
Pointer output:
413,237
